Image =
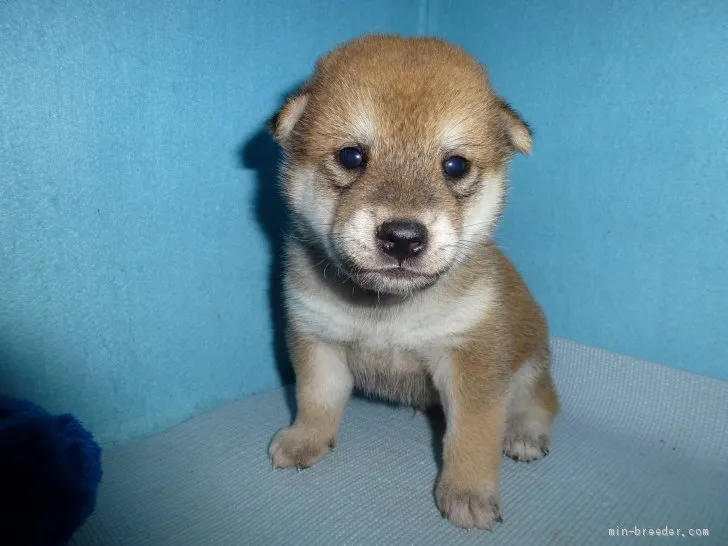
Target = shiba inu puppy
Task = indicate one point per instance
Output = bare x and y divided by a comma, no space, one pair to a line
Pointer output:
395,159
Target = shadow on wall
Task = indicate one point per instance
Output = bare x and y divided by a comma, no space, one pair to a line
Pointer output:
8,365
25,367
262,154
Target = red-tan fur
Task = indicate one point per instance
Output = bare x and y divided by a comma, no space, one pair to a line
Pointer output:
461,328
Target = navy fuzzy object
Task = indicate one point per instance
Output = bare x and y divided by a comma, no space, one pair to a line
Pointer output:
50,469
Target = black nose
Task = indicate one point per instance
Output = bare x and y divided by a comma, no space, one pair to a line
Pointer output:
402,239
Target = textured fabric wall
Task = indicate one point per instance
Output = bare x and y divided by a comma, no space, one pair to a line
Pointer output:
137,205
619,221
139,222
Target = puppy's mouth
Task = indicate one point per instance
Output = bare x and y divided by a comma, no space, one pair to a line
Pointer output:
400,273
399,280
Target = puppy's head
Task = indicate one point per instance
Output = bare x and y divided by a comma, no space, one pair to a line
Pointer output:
396,153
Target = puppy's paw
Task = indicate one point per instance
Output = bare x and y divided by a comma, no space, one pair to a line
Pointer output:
524,441
470,508
297,447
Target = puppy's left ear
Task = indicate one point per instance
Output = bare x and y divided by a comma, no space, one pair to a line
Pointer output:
283,123
520,135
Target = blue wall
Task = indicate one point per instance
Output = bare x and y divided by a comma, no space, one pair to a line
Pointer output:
137,197
139,217
619,221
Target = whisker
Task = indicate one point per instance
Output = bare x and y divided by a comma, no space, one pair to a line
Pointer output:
477,224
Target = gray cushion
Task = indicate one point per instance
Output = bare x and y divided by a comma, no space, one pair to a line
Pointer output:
637,444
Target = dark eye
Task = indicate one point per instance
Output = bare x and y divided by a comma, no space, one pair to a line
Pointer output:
456,166
351,158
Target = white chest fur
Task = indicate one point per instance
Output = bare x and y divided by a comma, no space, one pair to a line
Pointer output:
425,321
394,351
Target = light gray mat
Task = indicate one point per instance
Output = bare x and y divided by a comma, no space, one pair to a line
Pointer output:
637,445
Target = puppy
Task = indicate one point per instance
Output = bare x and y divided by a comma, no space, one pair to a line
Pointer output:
395,160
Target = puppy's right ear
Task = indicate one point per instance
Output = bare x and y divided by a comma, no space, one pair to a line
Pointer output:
520,135
281,126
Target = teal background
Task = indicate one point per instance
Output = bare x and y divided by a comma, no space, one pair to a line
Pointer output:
619,221
139,220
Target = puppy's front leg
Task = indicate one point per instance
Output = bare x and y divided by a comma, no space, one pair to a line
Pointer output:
473,392
323,387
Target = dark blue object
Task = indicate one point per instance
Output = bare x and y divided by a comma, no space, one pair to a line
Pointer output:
50,469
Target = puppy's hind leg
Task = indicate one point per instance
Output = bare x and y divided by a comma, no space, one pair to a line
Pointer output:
532,405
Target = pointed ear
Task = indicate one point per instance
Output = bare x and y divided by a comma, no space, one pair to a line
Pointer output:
519,133
282,124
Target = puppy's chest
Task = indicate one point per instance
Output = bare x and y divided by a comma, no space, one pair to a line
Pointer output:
394,374
393,351
390,353
412,327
